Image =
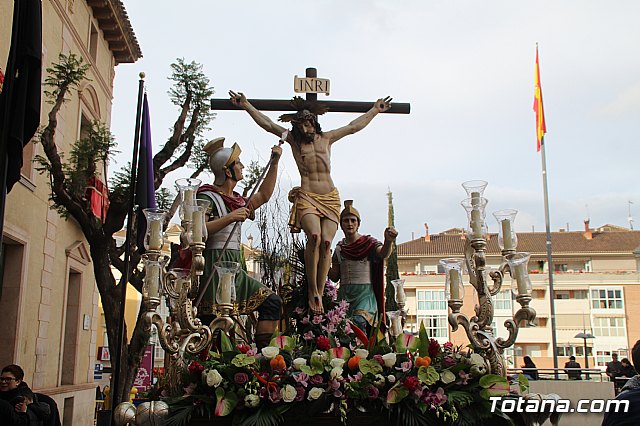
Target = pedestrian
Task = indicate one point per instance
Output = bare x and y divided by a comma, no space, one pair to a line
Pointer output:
630,392
529,369
571,365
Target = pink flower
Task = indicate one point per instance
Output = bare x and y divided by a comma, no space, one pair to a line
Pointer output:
405,366
305,320
434,399
301,378
317,319
299,310
372,392
240,378
308,335
378,357
300,391
316,379
463,377
275,395
448,361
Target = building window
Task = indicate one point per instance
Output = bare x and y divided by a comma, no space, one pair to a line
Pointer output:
560,267
561,295
605,327
577,351
93,42
606,299
502,300
580,294
604,356
431,300
436,325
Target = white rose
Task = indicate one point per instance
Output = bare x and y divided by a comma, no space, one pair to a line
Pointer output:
270,352
299,362
315,393
447,377
288,393
337,362
362,353
252,400
391,378
213,378
336,372
379,381
389,359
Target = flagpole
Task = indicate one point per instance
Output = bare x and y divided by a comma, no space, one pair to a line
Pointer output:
549,257
116,392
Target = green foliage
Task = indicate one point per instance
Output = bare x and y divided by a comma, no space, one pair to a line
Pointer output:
370,366
164,198
251,175
67,73
191,82
120,182
95,147
392,263
423,347
428,375
262,417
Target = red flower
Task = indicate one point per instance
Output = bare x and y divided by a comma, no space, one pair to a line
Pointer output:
448,346
434,347
323,343
195,367
204,355
411,383
243,348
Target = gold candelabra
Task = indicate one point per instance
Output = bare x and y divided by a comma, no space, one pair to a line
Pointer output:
478,328
185,332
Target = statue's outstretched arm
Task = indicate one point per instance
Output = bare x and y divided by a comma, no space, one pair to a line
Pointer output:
240,100
381,105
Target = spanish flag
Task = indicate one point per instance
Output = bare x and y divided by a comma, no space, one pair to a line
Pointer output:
541,127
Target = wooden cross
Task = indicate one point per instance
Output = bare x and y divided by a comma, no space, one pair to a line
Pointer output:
285,105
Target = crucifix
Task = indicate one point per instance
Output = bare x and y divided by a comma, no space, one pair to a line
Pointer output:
316,203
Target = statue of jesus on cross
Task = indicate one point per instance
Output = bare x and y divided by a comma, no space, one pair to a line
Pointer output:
316,203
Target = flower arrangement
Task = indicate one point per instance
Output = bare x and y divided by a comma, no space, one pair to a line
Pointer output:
331,366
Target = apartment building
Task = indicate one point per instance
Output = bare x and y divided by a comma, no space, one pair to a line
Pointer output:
596,289
48,296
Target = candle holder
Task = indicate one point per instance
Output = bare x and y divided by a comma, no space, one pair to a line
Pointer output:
453,287
225,296
399,294
154,237
475,207
187,189
507,239
478,328
395,323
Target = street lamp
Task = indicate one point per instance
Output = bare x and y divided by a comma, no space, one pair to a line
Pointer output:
584,336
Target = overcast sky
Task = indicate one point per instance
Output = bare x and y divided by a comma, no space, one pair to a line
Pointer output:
466,68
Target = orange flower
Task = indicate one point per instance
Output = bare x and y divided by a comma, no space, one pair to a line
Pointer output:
422,361
277,363
353,362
